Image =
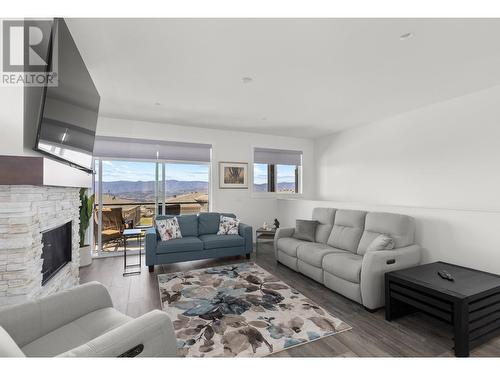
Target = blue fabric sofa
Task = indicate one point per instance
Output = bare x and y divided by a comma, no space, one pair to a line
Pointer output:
199,240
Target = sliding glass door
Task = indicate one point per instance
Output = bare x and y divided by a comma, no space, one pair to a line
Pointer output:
129,193
125,197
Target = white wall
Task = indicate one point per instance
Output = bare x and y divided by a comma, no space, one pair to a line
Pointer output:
252,208
11,120
440,164
442,156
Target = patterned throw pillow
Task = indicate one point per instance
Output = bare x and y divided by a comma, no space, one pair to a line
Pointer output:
228,225
168,229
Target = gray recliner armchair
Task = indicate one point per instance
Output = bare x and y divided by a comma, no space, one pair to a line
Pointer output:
81,322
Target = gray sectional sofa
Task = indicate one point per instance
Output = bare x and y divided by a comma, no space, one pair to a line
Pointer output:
199,240
339,258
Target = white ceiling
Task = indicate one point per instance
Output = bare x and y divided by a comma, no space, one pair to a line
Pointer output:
310,76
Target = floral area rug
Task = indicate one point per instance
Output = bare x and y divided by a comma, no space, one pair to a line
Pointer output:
240,310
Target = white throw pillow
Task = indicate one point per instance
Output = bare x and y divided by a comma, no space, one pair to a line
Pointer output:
381,242
228,225
168,229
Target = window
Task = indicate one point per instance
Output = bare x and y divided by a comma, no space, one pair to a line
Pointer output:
277,171
286,178
260,177
133,192
137,179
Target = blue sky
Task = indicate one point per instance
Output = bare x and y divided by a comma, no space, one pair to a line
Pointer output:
142,171
260,173
286,173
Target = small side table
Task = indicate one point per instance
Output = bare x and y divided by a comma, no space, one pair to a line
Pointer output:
131,233
263,233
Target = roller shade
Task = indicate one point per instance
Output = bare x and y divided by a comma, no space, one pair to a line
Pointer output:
133,148
274,156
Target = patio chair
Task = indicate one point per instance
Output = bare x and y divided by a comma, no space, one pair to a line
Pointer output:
112,224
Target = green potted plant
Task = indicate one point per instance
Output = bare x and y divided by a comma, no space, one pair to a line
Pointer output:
86,211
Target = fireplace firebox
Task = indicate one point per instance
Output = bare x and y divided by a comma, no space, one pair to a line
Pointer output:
56,250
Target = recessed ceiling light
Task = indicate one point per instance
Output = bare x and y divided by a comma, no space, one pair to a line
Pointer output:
247,79
405,36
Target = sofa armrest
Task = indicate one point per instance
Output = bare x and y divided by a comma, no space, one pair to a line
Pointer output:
246,232
29,321
281,233
152,332
376,264
8,347
151,241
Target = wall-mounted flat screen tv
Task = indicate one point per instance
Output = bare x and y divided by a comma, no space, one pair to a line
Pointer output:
68,116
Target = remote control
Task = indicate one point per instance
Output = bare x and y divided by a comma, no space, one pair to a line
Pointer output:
445,275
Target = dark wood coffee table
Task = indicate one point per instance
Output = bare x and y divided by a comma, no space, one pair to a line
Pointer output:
470,303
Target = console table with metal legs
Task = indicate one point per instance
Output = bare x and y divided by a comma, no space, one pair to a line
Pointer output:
127,234
261,234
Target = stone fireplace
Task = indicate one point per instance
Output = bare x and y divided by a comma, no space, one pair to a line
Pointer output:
26,213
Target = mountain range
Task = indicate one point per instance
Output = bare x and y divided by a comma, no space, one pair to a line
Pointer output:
282,186
141,190
173,187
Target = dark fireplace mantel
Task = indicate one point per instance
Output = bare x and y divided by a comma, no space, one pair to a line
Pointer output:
40,171
21,170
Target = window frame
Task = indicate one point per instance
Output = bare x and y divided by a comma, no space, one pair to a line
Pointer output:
270,194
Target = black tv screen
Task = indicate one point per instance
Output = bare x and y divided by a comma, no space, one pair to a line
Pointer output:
68,118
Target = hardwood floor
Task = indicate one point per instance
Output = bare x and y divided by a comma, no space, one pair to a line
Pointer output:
416,335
